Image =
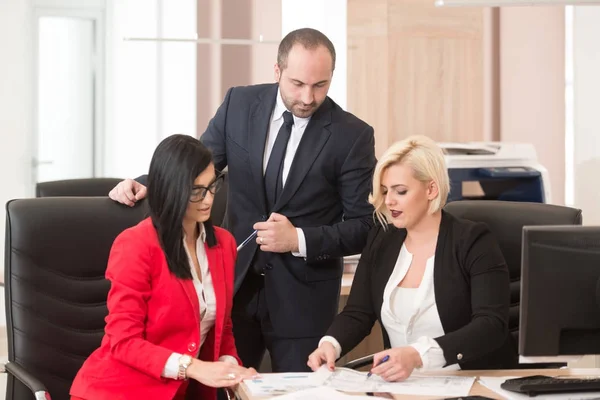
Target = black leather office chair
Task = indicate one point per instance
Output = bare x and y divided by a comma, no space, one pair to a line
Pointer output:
76,187
55,258
506,220
99,187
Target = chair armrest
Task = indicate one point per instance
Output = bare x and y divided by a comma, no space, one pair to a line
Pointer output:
35,385
360,362
229,394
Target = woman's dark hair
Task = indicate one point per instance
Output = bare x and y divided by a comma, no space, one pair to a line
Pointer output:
175,165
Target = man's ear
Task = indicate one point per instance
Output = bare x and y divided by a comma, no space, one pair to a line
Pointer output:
277,72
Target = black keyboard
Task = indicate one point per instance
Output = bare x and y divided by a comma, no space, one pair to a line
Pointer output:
539,384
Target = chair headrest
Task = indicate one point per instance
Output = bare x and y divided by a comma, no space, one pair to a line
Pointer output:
506,220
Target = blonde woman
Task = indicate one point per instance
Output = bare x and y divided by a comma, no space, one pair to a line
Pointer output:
438,285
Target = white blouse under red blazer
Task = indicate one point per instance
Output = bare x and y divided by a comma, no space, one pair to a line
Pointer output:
152,314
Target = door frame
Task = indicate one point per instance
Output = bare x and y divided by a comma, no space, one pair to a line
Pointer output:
91,10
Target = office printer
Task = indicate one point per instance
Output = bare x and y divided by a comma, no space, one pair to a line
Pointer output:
496,171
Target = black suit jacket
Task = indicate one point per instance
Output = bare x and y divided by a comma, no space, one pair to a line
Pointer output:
471,288
326,194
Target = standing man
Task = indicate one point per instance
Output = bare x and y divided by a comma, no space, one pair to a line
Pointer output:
300,172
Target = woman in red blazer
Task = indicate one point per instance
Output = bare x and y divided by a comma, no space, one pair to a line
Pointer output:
168,331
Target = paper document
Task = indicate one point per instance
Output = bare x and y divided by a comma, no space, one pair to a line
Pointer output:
493,383
349,380
320,393
469,148
447,386
277,384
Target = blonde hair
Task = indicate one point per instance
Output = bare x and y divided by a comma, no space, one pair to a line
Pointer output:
427,161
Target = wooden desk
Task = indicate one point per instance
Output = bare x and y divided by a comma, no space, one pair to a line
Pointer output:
346,284
477,388
350,264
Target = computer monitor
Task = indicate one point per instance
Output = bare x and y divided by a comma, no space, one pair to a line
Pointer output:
560,291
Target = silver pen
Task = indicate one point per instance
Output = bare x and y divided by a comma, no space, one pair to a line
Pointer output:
247,240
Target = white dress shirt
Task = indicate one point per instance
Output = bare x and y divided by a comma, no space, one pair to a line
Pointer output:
410,315
207,300
297,132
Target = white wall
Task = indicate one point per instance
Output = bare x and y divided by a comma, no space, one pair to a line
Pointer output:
150,86
328,16
532,85
584,162
15,105
586,90
131,103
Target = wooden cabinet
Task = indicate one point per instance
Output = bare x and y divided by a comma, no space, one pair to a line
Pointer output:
417,69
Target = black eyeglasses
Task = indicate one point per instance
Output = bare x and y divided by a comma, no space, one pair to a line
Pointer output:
200,192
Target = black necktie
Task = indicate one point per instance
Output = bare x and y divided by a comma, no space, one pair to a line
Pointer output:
273,177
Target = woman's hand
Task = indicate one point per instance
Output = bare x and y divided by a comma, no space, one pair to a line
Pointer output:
218,374
325,354
400,364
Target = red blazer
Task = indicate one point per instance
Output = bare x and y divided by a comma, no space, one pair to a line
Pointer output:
152,314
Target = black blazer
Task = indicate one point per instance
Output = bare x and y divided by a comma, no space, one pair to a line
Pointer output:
326,194
471,287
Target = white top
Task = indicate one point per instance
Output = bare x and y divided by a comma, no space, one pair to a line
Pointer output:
410,316
297,132
400,297
204,287
207,300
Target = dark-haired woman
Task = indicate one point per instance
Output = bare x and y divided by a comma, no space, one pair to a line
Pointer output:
168,331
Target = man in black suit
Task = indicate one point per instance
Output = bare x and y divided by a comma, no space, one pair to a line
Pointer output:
300,172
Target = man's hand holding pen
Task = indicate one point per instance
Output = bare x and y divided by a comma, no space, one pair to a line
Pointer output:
277,235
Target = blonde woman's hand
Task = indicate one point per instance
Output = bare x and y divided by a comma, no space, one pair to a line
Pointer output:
324,354
400,364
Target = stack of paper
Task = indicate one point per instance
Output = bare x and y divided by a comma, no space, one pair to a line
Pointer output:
277,384
349,380
446,386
